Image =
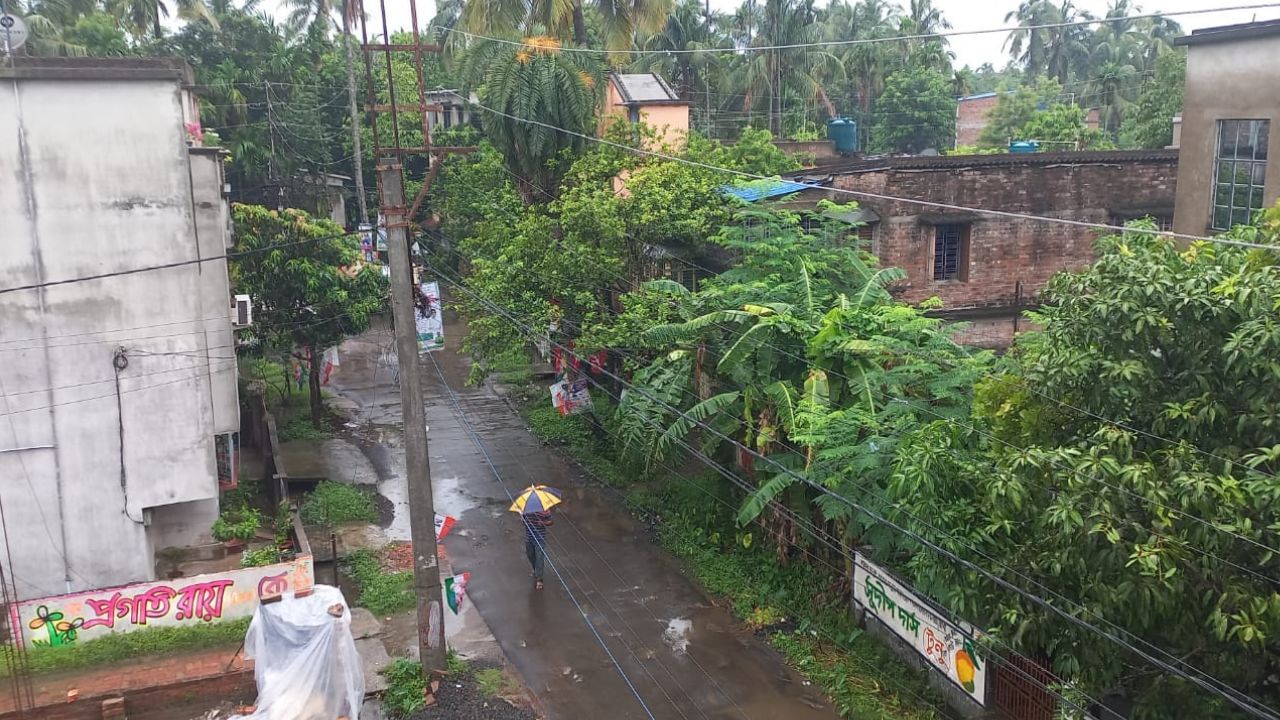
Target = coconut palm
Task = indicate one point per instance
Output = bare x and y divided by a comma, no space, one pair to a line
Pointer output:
143,16
540,88
688,29
621,20
787,75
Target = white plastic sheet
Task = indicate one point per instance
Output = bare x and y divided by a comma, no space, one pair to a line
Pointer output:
306,664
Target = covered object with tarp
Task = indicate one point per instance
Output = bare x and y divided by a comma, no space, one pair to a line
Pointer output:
306,664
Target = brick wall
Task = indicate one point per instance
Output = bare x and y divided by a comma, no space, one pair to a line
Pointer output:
971,118
180,698
1003,251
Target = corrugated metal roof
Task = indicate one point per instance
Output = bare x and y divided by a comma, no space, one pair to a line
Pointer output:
763,189
643,88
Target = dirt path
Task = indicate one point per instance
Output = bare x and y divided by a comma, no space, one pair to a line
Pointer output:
620,631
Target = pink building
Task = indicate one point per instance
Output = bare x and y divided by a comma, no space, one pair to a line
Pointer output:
647,98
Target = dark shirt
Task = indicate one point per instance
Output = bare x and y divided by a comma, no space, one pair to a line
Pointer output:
536,524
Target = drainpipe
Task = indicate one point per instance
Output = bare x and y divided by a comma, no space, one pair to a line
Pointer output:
28,187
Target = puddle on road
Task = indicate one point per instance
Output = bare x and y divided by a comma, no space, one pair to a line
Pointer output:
677,635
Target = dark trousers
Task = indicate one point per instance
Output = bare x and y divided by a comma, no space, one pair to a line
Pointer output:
536,556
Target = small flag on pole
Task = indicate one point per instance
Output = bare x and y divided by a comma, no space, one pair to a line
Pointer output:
444,524
455,591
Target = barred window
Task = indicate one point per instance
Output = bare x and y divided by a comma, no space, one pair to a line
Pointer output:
951,252
1241,168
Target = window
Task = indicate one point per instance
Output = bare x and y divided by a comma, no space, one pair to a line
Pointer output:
951,252
1240,168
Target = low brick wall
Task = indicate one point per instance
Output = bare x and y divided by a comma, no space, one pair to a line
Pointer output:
160,702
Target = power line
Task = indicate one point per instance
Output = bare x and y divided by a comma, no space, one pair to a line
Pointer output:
484,451
877,196
1200,678
889,39
178,263
1075,471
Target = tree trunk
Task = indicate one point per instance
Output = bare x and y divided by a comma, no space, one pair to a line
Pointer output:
317,406
155,23
358,155
579,25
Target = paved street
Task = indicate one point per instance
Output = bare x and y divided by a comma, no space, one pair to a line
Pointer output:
685,657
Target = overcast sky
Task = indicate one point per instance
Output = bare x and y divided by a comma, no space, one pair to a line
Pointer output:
963,14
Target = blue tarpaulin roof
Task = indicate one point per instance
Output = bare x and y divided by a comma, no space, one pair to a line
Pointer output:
762,189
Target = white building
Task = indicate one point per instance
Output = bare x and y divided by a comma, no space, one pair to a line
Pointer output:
116,378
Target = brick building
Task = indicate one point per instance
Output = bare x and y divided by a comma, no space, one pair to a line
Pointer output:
984,267
971,116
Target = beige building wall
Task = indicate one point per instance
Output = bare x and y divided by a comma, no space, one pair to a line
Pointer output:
671,120
1230,79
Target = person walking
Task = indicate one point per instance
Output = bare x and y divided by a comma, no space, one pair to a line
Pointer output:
534,506
535,542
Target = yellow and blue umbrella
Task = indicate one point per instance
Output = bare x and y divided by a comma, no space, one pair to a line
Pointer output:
536,498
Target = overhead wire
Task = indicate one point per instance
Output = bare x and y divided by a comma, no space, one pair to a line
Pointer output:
1199,678
484,451
941,35
878,196
1058,463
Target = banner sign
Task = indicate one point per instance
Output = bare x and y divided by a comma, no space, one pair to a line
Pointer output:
210,598
431,322
571,397
950,648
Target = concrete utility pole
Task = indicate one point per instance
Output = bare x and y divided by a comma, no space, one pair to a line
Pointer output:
422,528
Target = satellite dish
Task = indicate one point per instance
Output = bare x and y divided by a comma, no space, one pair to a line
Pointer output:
13,33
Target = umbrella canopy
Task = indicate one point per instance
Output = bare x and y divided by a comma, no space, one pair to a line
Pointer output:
536,498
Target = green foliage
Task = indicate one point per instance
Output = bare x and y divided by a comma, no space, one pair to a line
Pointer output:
530,91
1148,123
258,557
237,524
1014,109
753,152
1062,127
1128,516
453,663
975,150
119,647
334,503
382,592
303,293
406,691
493,682
915,112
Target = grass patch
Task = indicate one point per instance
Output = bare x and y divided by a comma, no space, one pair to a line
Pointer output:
493,682
119,647
333,503
381,592
453,663
406,691
579,435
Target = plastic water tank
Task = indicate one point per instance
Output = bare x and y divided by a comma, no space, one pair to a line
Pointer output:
1024,146
844,133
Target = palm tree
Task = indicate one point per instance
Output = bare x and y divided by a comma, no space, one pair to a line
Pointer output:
1030,45
539,88
622,20
1110,87
795,74
692,35
141,15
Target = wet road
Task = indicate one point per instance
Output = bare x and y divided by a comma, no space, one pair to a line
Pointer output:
650,627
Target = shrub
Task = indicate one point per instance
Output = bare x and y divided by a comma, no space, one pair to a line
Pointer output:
236,524
381,592
334,503
260,556
406,691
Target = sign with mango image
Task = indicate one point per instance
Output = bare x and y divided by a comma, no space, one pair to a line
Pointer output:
949,645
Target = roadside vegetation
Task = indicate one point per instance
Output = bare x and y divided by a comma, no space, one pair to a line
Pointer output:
120,647
333,503
382,591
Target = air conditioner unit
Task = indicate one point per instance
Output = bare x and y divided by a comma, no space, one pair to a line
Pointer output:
242,312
